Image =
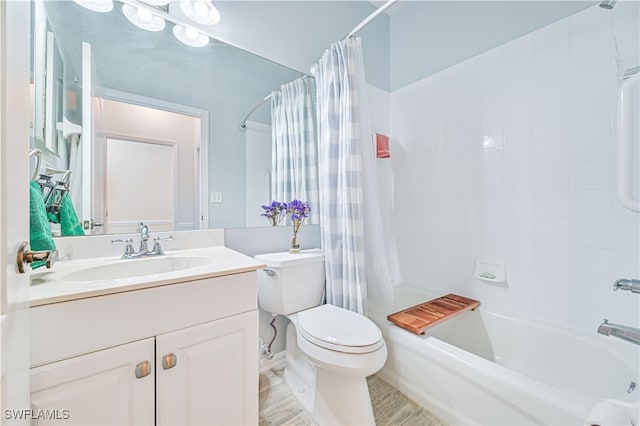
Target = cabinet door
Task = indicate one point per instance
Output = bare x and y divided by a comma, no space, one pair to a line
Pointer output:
215,376
98,388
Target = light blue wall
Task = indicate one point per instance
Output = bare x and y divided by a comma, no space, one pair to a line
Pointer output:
429,36
296,33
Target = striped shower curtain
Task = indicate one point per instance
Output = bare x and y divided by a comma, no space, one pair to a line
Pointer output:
340,175
294,148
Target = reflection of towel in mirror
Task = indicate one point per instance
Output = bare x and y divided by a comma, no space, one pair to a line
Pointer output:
67,218
39,232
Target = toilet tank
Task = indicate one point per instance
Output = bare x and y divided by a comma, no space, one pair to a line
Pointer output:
291,282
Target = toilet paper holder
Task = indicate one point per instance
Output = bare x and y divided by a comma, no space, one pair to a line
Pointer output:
611,411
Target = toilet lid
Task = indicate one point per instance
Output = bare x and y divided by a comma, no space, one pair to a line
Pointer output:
339,329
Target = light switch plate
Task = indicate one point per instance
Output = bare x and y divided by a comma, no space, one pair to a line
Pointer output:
216,197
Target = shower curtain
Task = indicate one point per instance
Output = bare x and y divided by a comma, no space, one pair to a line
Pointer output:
351,231
294,148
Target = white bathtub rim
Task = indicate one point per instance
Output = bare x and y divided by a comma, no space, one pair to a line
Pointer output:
612,346
492,376
609,344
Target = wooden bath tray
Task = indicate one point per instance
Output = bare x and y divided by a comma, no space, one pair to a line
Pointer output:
420,317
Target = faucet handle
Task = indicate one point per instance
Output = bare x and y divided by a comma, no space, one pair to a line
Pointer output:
128,250
156,244
119,240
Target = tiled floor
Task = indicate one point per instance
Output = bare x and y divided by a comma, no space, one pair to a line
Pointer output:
279,407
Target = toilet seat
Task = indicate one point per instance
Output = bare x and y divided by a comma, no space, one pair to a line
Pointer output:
338,329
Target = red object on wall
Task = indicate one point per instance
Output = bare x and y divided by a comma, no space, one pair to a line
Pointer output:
382,146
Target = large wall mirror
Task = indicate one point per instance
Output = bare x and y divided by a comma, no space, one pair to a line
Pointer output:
164,121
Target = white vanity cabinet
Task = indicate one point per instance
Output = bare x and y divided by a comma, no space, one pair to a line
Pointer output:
98,388
198,340
202,376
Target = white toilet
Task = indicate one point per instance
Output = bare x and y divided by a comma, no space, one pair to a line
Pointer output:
330,350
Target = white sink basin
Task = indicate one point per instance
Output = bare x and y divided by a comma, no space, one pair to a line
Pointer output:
129,268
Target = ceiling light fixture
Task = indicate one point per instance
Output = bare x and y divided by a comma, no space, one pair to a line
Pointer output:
101,6
200,11
156,2
143,18
190,36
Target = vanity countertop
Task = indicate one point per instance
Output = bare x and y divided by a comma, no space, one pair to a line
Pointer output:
57,284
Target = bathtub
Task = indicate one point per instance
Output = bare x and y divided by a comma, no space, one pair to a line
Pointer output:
488,368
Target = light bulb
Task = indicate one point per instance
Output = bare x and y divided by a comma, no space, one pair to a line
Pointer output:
191,32
200,8
144,15
200,11
143,18
102,6
190,36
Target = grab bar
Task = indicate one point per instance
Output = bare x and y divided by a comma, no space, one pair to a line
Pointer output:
624,133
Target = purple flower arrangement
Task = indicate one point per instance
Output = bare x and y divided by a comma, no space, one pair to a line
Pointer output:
297,211
274,212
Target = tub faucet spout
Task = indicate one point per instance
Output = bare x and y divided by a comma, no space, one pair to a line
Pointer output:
624,332
629,284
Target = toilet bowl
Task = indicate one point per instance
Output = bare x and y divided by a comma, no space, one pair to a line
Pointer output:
329,350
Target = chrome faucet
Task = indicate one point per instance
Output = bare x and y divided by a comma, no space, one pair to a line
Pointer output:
143,231
624,332
628,284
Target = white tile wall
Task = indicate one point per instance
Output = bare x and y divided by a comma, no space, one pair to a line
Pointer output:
508,156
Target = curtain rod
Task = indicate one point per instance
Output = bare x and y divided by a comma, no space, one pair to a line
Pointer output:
371,17
361,25
243,123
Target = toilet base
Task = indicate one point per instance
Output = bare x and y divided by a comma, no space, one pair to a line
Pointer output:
329,398
299,373
342,400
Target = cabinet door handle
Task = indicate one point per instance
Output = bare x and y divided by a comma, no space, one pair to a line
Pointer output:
169,361
143,369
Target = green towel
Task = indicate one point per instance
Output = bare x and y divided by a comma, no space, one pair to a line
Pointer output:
39,232
67,218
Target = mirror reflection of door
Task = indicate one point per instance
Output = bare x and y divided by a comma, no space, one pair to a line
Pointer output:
151,165
140,185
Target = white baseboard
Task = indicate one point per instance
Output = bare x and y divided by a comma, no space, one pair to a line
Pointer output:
275,362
